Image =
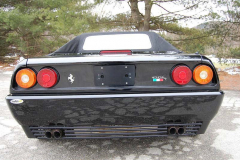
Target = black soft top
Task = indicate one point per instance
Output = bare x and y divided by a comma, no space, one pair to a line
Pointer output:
158,43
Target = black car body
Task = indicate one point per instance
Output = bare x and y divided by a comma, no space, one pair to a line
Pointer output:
115,93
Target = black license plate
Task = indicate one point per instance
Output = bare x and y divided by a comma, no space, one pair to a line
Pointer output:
114,75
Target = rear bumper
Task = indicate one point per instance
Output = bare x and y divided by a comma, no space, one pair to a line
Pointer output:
116,109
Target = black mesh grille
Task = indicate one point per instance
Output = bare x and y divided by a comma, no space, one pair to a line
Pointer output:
117,131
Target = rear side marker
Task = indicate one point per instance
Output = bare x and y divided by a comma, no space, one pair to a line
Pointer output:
26,78
202,74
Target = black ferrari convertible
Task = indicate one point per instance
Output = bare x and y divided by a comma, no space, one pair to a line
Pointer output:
115,85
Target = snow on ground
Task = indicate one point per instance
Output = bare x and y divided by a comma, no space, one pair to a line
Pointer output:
8,72
10,68
231,61
229,65
20,59
232,70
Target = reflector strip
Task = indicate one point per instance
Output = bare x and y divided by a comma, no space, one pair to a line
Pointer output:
115,52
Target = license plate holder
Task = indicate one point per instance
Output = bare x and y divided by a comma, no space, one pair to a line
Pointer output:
114,75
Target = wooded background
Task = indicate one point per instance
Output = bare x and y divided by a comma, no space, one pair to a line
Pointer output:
38,27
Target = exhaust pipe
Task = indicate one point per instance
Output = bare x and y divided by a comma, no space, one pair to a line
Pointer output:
57,133
172,130
181,130
48,134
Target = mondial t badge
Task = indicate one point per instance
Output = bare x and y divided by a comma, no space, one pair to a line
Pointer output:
159,78
71,78
16,101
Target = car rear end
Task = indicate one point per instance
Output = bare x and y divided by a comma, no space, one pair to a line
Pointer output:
106,96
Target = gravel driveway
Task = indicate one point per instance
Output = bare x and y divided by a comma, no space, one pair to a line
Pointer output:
221,141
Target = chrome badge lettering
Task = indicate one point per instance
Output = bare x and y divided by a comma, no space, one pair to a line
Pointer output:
71,78
16,101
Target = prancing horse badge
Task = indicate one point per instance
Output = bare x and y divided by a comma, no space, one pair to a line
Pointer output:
71,78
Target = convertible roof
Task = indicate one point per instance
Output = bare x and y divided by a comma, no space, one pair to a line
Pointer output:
158,44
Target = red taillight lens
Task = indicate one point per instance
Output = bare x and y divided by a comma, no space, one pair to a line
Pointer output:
181,75
117,52
47,77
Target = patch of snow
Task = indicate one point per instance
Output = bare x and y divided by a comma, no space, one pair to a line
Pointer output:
3,146
167,146
130,157
233,71
20,59
111,151
154,151
197,142
177,147
4,130
33,147
9,122
154,144
106,143
144,157
232,62
186,139
223,60
117,158
186,149
229,61
8,72
93,146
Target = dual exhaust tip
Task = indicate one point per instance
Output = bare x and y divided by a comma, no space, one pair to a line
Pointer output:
57,133
176,130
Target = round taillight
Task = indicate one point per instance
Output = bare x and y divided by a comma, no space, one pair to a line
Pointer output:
26,78
47,77
181,75
202,74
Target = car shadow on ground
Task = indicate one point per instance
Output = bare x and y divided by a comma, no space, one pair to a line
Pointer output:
137,148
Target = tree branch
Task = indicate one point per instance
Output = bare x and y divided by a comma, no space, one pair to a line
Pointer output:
169,12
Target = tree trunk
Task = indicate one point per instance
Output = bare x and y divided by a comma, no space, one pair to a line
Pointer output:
141,22
137,18
147,16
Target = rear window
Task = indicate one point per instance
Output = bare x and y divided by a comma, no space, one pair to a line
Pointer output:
117,42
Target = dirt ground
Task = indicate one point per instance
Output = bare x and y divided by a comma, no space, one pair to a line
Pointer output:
229,82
